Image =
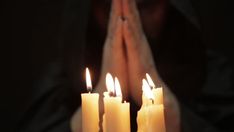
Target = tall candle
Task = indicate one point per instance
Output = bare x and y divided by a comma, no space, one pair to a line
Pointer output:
114,110
90,108
124,110
150,118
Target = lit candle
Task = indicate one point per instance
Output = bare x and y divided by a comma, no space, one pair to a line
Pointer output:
158,92
150,118
116,117
124,110
90,109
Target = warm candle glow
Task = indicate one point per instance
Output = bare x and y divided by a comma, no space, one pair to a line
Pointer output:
147,90
117,88
110,84
88,80
150,81
90,107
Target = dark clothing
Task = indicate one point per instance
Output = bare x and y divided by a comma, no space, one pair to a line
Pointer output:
200,80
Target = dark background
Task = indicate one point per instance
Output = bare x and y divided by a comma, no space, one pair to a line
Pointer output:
33,30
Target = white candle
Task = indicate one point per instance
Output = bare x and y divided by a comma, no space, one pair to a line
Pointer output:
150,118
90,108
115,110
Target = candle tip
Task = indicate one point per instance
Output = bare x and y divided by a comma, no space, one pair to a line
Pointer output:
88,80
117,88
150,81
110,83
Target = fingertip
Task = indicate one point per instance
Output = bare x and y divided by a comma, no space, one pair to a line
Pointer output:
118,32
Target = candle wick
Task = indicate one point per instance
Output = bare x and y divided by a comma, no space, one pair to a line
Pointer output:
111,94
89,90
153,87
152,101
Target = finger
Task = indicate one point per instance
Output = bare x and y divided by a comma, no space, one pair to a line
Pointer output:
116,39
130,12
117,7
113,45
115,13
128,36
130,8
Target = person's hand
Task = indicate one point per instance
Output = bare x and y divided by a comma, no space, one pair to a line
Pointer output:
140,61
113,60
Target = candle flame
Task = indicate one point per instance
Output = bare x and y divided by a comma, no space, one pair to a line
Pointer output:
147,90
110,83
117,88
88,80
150,81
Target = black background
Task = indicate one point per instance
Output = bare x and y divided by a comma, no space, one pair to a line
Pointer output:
33,29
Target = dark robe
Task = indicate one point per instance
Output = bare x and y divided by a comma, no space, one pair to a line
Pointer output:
201,80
